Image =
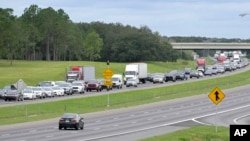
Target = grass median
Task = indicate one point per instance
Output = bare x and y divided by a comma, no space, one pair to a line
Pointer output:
46,110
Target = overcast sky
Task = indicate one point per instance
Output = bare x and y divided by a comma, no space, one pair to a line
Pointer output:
206,18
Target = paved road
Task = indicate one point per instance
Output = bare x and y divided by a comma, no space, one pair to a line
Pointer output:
129,124
148,85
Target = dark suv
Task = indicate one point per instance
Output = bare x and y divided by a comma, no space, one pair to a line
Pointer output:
171,76
93,85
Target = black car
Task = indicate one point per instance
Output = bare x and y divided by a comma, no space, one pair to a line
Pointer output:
171,76
71,120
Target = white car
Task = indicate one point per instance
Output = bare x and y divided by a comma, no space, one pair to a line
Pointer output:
158,78
49,92
78,87
28,94
58,91
39,92
132,82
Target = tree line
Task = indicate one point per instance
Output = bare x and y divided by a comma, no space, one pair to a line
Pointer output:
49,34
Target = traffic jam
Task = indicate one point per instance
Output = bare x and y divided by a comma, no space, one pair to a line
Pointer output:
81,79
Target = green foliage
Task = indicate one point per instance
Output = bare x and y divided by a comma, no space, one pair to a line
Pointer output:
48,34
33,72
196,133
93,45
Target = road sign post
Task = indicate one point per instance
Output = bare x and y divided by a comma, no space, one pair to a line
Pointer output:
216,96
107,74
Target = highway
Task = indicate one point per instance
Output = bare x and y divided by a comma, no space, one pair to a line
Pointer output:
133,123
141,121
147,85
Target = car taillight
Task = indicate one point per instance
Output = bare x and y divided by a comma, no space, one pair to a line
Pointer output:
61,120
73,120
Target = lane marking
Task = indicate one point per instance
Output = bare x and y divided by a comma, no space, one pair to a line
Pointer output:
162,125
229,110
236,119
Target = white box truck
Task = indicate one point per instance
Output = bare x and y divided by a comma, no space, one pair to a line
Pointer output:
80,73
117,81
136,71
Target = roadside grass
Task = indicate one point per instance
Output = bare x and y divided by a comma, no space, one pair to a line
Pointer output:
39,111
33,72
196,133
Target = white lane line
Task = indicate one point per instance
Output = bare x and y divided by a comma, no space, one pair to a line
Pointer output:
162,125
195,119
96,128
200,122
3,135
236,119
49,136
33,131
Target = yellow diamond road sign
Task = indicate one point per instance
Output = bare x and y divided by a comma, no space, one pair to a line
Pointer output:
108,73
216,95
108,83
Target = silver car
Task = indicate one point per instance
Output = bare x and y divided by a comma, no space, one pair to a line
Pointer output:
132,82
39,92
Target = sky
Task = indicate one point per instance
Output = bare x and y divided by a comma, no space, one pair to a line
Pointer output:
203,18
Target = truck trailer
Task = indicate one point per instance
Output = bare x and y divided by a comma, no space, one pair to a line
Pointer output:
136,71
201,63
80,73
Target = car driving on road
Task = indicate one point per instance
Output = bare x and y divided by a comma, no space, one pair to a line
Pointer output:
132,82
71,120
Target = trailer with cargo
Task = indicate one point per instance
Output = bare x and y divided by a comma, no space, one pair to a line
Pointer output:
80,73
137,71
201,64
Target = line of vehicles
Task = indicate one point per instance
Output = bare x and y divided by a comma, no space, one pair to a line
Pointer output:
81,79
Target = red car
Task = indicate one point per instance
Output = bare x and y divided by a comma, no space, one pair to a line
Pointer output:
93,85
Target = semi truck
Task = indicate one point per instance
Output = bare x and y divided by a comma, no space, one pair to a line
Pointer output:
201,63
137,71
221,59
80,73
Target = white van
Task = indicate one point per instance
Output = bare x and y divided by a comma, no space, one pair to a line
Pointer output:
117,81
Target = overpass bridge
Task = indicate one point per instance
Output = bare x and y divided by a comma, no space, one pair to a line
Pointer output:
207,46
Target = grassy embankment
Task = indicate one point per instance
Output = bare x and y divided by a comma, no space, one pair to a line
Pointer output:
33,72
198,133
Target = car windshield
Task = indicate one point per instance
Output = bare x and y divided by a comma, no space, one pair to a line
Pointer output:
130,73
45,84
47,89
92,81
37,89
56,88
76,84
27,91
64,85
131,80
114,79
69,116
